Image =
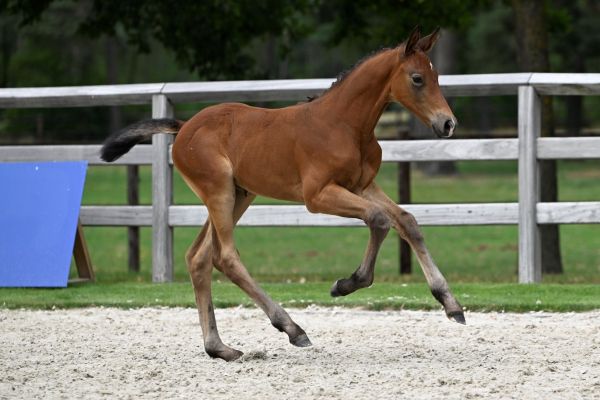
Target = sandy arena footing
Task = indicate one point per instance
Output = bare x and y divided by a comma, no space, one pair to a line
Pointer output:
157,354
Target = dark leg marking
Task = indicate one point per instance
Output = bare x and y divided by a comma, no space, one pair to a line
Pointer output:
451,305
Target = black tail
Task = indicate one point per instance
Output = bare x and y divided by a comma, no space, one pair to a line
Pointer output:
122,141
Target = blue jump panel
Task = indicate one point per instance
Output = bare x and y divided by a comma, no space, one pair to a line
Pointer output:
39,208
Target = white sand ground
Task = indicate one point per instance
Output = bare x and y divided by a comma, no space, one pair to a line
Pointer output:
157,354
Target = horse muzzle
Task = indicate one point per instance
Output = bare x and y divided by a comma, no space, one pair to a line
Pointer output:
444,126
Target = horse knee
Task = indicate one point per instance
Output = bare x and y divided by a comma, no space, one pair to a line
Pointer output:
378,219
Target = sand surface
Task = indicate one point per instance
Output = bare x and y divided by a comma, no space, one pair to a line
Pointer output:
157,354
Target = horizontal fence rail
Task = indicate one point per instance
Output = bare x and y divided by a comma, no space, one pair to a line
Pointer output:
282,90
296,215
528,213
580,148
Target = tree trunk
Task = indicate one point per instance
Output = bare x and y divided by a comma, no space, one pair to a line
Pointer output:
404,198
575,103
533,56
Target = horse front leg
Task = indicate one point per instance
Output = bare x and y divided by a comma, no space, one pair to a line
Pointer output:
407,227
336,200
365,273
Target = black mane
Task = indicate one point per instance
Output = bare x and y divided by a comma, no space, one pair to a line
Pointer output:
344,74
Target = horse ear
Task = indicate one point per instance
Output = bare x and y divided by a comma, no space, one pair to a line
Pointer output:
411,42
426,43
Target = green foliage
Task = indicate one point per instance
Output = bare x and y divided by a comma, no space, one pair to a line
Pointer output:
64,42
213,37
575,35
210,37
387,22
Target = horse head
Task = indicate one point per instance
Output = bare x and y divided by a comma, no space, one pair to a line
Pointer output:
415,84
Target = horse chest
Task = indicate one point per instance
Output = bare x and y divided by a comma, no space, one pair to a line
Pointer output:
356,171
370,153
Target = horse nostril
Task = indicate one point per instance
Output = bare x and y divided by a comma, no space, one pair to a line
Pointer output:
443,126
449,126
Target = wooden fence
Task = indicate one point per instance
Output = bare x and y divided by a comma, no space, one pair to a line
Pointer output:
528,149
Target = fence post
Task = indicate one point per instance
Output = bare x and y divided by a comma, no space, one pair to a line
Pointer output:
405,252
162,196
530,268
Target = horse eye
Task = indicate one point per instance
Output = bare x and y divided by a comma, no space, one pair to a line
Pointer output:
417,79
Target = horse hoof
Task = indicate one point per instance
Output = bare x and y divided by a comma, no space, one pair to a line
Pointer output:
228,354
301,341
341,287
457,316
334,290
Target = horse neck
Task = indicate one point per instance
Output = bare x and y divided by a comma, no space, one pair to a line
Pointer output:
359,99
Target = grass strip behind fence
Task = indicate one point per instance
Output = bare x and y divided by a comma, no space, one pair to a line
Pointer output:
474,297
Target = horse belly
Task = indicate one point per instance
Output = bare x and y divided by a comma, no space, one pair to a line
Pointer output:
266,166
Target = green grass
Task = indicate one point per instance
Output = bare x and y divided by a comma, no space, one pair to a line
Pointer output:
298,265
474,297
464,254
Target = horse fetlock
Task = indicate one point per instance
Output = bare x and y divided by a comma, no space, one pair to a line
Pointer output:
343,287
283,323
296,334
278,324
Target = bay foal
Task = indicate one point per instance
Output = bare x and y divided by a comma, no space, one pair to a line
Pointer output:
322,153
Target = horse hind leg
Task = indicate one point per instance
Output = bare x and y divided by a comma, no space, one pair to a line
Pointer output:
199,262
227,259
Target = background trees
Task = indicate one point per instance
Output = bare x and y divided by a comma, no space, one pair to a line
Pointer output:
66,42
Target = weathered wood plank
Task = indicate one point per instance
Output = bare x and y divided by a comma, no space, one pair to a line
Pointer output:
446,150
265,90
297,215
393,150
401,151
530,270
566,84
139,155
587,212
162,196
290,89
568,148
79,96
483,84
116,215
